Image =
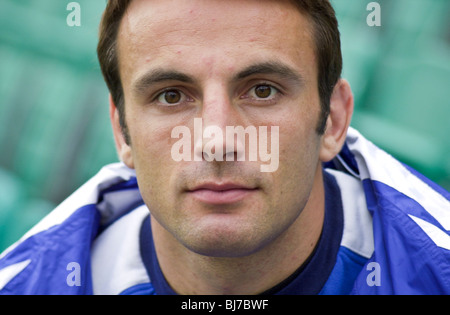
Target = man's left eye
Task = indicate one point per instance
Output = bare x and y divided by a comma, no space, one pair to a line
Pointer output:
263,91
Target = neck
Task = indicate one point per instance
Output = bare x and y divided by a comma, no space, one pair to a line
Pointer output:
190,273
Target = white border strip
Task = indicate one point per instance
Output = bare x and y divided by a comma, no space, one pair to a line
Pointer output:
439,237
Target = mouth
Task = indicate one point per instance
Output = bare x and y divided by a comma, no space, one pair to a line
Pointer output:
221,194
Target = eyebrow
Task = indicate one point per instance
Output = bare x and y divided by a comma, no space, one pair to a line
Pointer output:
271,68
157,76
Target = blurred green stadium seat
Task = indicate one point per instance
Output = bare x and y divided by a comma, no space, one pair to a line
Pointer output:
400,76
24,218
52,92
408,111
359,46
98,146
10,82
12,196
360,62
18,212
53,110
417,18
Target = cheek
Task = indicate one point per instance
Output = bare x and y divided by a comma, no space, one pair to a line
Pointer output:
151,151
298,160
299,142
150,147
150,136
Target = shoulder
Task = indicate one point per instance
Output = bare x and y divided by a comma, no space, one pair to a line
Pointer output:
410,222
59,247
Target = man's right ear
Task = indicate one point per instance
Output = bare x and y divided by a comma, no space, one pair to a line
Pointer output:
123,149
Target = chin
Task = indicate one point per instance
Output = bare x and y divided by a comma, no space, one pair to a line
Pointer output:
225,238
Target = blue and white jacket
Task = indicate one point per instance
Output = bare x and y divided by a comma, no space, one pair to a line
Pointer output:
394,237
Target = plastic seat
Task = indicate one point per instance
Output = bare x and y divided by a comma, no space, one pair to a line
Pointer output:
408,112
18,212
360,62
418,17
97,148
12,196
45,125
44,122
13,67
360,46
30,212
414,92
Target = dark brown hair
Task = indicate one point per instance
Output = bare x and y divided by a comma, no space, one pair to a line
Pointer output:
326,36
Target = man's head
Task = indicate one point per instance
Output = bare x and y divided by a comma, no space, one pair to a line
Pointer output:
325,33
230,63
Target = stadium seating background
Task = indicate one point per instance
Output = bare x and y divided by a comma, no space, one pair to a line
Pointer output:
54,128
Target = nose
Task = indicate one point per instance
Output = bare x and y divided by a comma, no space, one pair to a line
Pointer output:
219,114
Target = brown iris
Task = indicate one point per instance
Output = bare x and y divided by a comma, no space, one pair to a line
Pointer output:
172,96
263,91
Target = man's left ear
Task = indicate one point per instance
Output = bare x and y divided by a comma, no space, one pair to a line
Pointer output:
341,111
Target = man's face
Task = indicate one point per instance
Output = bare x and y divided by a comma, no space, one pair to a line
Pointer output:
230,63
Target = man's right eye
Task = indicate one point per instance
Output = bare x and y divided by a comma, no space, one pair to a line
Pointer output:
171,97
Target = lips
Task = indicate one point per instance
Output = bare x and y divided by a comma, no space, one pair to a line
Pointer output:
221,194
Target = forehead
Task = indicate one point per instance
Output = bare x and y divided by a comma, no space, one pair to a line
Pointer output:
189,32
